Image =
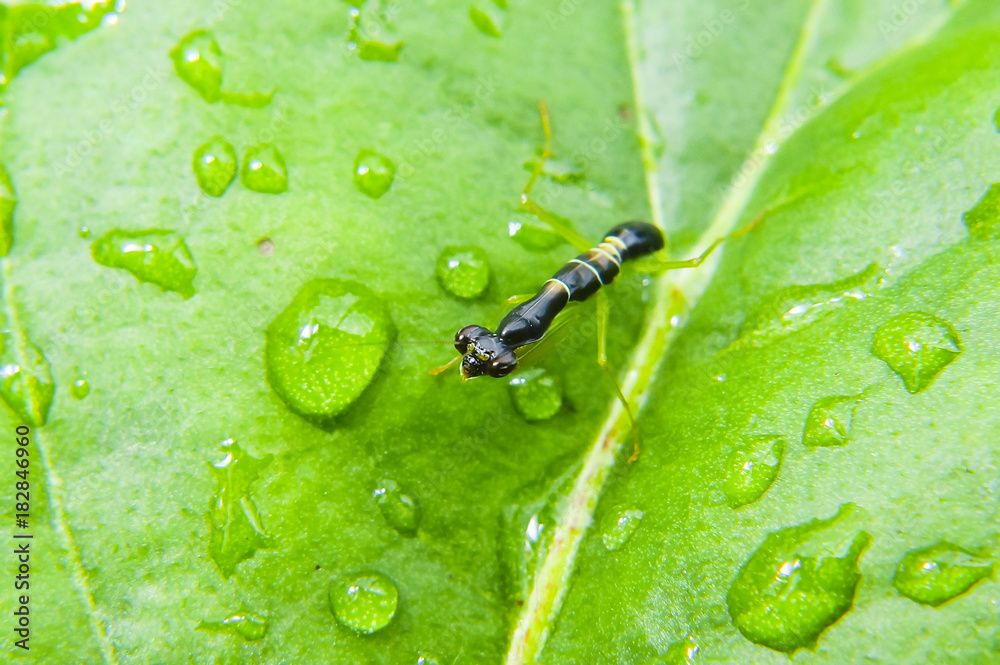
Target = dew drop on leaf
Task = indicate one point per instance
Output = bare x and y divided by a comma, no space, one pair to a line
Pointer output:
424,659
533,237
248,625
365,602
484,22
829,421
25,379
80,389
236,529
983,219
156,256
619,529
325,348
8,200
917,346
537,394
83,231
936,574
463,271
215,165
401,511
681,652
373,173
798,582
198,61
751,469
264,170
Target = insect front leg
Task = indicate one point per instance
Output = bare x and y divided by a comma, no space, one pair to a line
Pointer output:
603,311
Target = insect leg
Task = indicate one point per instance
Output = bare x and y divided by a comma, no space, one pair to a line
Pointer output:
543,110
444,368
603,310
560,225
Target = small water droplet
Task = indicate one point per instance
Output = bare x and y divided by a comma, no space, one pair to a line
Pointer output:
463,271
401,511
236,529
83,231
537,394
533,237
325,348
620,527
198,61
939,573
373,173
424,659
771,148
917,346
364,603
265,247
80,389
829,421
156,256
983,219
248,625
264,170
751,469
799,581
8,201
215,165
25,379
681,652
485,22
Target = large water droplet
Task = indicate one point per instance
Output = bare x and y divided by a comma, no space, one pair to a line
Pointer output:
248,625
365,603
198,61
917,346
215,165
157,256
373,173
463,271
829,421
264,170
80,389
936,574
798,582
324,349
236,529
537,394
751,469
620,528
401,511
8,200
25,379
983,219
485,22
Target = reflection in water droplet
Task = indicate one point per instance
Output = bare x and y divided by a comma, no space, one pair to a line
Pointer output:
681,652
939,573
620,528
917,346
983,219
401,511
373,173
751,469
264,170
533,237
236,529
485,23
248,625
798,582
325,348
463,271
215,165
8,200
364,603
83,231
829,421
156,256
25,379
198,61
537,394
80,389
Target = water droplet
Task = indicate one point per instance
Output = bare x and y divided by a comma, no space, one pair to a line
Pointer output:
324,349
983,219
373,173
771,148
401,511
621,527
936,574
379,52
198,61
236,529
829,421
8,200
917,346
798,582
463,271
751,469
264,170
424,659
80,389
215,165
248,625
83,231
537,394
156,256
364,603
265,247
484,22
533,237
25,379
681,652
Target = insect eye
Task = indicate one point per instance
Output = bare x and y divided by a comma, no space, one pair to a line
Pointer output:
466,336
502,365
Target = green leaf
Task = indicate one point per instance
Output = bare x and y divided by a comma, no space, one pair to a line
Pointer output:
428,518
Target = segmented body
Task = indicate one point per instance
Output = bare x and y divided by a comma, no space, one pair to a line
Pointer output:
493,354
